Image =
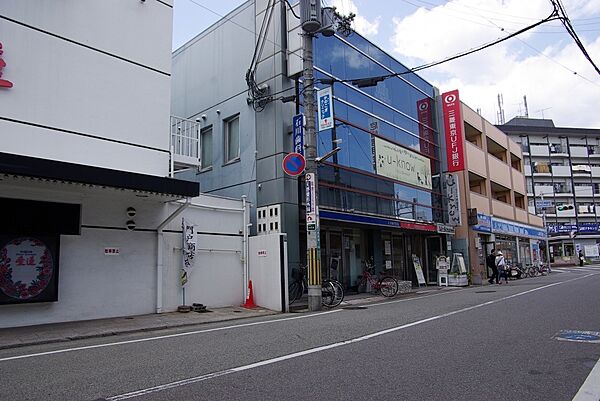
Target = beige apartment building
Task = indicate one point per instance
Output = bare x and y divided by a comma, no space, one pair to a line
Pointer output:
493,199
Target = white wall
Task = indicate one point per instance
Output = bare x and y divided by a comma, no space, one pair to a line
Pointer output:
92,285
112,84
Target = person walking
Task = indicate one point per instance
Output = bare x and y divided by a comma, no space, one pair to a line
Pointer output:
490,261
501,266
581,258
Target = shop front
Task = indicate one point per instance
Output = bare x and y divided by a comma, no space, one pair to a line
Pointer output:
351,242
519,243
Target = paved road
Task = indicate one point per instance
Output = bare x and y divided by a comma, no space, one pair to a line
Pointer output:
481,343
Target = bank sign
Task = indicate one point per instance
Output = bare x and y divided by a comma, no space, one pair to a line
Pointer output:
398,163
453,126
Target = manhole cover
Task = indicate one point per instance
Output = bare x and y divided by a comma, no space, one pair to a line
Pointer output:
579,336
354,307
483,292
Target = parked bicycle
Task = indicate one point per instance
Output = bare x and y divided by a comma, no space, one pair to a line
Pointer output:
542,269
388,286
332,291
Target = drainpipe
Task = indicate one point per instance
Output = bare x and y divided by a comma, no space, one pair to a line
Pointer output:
245,247
159,254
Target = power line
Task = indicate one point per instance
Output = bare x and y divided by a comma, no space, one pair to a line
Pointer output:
567,23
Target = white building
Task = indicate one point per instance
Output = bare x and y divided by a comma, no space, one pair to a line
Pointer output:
91,223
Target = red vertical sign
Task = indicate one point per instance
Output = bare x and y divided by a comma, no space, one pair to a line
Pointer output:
3,82
453,127
425,122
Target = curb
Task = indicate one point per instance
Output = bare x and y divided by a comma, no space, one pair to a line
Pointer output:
118,332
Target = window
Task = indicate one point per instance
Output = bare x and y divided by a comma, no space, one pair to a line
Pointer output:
206,148
232,139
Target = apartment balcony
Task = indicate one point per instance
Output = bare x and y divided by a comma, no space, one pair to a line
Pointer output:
539,150
501,209
536,220
184,143
561,171
518,181
594,151
520,215
544,190
579,151
499,171
558,151
476,160
595,171
584,190
480,202
527,170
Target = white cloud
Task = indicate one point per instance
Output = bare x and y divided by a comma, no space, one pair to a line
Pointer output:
511,68
360,24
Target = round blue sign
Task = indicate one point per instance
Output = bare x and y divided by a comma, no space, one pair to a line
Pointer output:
294,164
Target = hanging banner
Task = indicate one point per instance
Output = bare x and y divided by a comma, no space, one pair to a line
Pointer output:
189,249
453,197
401,164
453,127
325,108
311,207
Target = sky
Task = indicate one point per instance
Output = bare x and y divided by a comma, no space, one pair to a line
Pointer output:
542,64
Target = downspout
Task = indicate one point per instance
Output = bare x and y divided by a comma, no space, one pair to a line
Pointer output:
245,247
159,254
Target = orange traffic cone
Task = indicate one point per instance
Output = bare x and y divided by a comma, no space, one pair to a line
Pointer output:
250,299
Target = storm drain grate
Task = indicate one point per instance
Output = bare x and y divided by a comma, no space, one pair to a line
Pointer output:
354,307
578,336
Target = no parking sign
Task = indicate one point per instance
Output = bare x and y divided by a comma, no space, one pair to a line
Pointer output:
294,164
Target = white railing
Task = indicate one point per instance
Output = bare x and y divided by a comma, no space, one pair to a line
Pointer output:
185,137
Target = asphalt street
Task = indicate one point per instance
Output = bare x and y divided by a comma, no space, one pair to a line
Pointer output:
479,343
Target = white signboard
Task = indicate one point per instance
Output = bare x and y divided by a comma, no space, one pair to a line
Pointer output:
591,251
325,108
401,164
418,269
453,197
311,207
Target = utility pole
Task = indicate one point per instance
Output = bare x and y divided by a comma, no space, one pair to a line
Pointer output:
546,231
313,22
310,11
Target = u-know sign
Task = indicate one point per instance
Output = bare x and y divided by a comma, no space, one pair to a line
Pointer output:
401,164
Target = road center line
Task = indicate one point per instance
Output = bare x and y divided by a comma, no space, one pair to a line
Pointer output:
282,358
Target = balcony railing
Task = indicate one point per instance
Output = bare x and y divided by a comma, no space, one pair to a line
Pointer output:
184,143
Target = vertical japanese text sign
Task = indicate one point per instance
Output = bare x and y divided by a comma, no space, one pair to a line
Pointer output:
3,82
298,130
453,126
325,108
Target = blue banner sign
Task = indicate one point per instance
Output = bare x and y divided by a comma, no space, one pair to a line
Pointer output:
484,223
584,228
298,131
521,230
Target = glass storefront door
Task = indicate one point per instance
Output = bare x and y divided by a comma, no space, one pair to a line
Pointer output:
432,251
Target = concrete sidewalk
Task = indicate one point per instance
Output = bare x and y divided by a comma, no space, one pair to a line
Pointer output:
63,332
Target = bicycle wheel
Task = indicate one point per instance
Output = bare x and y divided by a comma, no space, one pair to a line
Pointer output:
388,286
338,293
294,292
533,271
327,293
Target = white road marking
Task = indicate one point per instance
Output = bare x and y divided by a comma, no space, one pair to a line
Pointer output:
271,361
60,351
590,389
189,333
